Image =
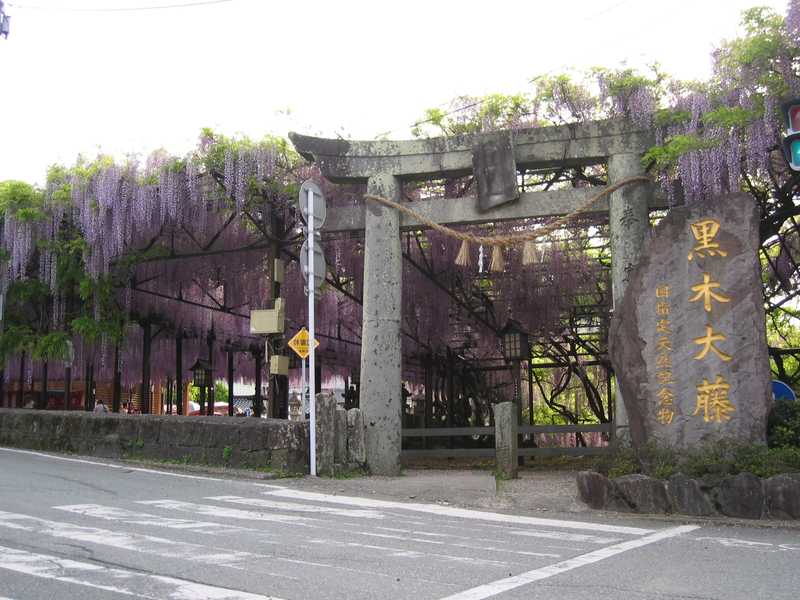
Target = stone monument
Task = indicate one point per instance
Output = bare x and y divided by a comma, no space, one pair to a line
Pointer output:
688,341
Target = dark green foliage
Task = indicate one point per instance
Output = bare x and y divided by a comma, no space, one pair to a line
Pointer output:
783,425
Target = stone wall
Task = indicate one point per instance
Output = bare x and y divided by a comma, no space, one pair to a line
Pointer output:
273,444
743,496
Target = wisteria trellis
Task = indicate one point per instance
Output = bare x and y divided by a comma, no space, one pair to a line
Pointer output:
206,216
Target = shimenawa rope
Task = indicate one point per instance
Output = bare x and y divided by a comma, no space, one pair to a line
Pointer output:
500,241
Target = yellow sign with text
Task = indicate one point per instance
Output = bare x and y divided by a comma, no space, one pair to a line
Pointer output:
299,343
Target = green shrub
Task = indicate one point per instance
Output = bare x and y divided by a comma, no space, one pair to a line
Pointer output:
620,460
783,425
712,461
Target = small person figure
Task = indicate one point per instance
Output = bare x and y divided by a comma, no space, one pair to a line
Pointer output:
100,407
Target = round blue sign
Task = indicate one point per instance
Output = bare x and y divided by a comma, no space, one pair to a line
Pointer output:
781,391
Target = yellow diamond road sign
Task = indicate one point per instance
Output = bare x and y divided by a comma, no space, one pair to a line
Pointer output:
299,343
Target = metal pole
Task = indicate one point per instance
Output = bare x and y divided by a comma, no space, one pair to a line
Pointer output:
303,388
311,379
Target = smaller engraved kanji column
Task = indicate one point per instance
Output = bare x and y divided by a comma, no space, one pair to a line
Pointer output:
381,382
629,221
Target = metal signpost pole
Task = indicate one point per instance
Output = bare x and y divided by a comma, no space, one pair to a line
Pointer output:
312,425
303,401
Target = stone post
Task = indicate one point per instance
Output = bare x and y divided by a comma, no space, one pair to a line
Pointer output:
355,437
629,223
380,341
505,439
340,452
326,432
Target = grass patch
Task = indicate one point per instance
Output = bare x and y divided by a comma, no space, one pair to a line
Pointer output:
276,473
349,473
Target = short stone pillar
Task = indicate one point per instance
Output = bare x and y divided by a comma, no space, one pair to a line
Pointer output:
340,446
381,382
326,433
505,439
356,452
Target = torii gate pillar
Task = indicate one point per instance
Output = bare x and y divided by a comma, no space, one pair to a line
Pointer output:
629,222
381,335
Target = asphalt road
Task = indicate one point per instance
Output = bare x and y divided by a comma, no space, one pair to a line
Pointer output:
85,529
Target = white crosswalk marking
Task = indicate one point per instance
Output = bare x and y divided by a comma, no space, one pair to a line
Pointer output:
119,581
296,507
455,545
132,541
223,512
110,513
406,553
450,511
252,515
563,536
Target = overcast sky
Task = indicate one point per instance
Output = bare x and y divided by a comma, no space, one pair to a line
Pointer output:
76,81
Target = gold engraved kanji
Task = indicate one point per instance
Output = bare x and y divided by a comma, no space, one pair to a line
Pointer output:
707,342
664,415
704,232
705,291
713,401
666,395
664,377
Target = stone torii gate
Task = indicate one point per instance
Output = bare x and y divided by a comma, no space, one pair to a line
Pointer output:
385,165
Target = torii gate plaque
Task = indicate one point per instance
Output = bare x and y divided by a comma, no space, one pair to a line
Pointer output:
384,165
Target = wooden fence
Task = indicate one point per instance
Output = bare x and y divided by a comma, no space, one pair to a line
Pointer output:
450,432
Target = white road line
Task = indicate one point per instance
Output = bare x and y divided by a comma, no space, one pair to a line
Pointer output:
461,513
223,512
561,536
467,538
112,513
112,466
509,583
749,544
406,553
135,542
120,581
306,508
403,538
565,537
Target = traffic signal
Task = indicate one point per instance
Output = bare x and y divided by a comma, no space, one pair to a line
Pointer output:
791,140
